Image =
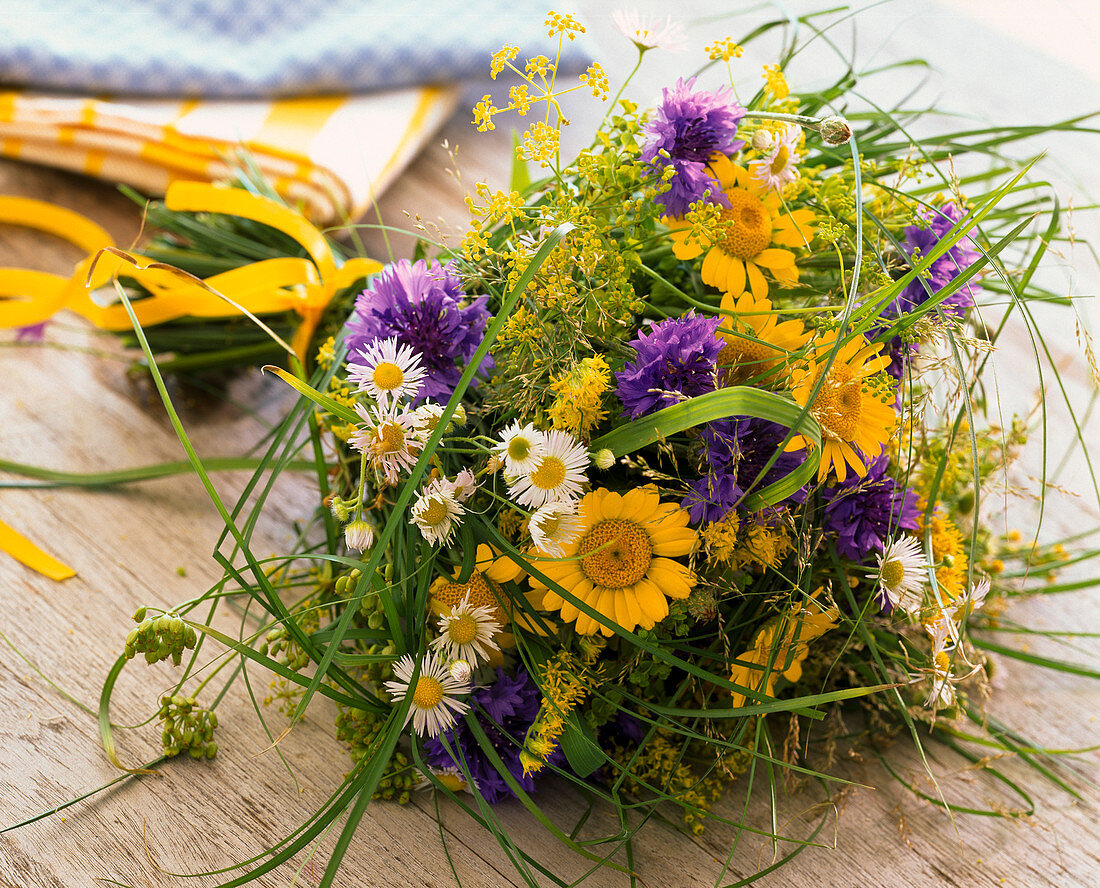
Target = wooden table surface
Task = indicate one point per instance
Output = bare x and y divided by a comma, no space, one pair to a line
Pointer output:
69,405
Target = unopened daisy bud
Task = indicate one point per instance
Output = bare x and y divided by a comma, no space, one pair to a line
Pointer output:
604,459
459,416
358,535
339,509
761,140
460,671
835,130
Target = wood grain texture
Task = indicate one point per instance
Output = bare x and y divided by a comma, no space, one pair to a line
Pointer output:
150,543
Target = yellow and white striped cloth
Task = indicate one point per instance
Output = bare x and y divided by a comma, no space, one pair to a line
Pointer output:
332,155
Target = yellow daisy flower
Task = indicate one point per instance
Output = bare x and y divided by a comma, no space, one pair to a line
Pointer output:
484,590
761,230
851,412
795,629
621,565
758,344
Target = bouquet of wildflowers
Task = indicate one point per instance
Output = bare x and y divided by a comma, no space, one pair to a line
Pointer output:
685,441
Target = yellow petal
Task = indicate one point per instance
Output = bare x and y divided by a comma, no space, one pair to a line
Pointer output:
653,604
735,278
671,577
757,283
773,258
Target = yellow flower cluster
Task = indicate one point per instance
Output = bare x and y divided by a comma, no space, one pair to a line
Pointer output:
563,24
565,682
775,82
754,546
580,392
724,50
948,553
596,80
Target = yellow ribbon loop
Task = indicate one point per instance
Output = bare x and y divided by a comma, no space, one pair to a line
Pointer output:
23,550
270,286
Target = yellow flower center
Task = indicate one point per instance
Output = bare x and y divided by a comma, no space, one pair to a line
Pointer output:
462,629
943,662
550,474
479,590
782,156
389,438
615,553
893,572
435,514
549,527
388,376
838,405
519,448
428,693
751,231
743,359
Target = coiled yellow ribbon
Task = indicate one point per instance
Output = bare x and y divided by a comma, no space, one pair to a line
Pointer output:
305,286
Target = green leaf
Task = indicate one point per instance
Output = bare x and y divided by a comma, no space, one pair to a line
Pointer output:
580,747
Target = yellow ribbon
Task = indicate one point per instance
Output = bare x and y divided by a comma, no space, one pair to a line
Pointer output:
305,286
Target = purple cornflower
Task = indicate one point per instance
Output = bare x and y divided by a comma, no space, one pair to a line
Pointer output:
866,512
676,361
737,451
422,305
691,127
505,710
922,240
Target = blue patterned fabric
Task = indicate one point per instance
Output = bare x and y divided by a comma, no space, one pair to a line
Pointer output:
249,48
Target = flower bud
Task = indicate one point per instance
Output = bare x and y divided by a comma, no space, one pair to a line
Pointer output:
358,535
460,671
835,130
761,140
604,459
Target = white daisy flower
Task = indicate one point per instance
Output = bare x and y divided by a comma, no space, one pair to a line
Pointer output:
391,441
942,693
358,535
553,527
464,485
466,634
901,575
521,447
648,31
451,777
558,476
436,512
433,706
973,599
777,169
387,372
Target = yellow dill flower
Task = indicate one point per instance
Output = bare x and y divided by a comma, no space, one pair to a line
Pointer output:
563,24
775,82
622,563
540,143
852,412
757,344
596,80
520,98
577,407
483,114
780,646
755,237
724,50
326,353
501,58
